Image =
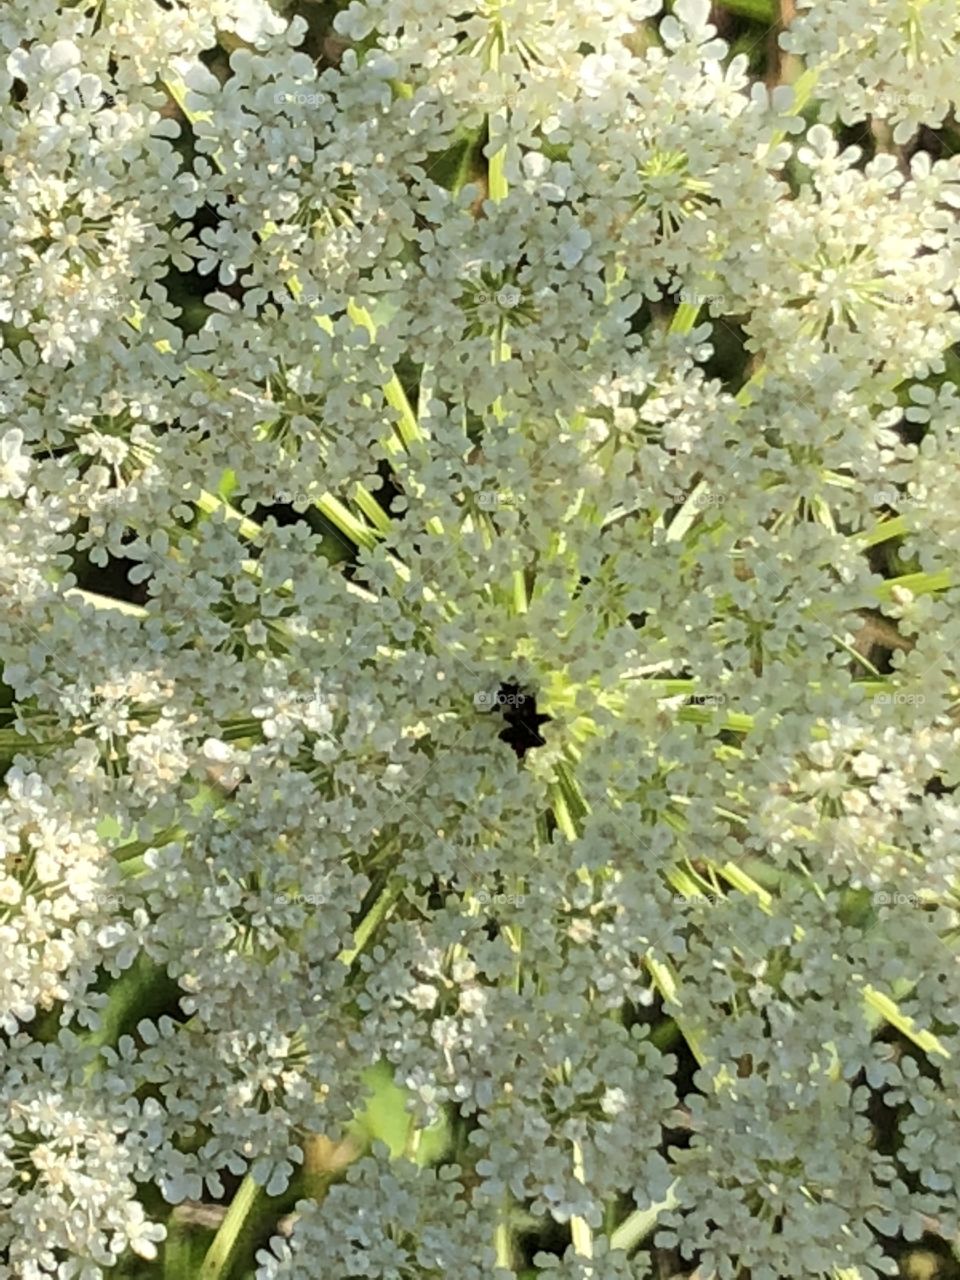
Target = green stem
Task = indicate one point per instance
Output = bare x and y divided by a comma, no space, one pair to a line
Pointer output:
581,1236
218,1258
502,1240
642,1221
374,916
882,532
496,171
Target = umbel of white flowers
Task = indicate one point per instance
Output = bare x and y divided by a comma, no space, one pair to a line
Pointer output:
441,416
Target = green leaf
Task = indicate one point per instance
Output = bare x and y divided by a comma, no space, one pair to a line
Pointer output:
385,1119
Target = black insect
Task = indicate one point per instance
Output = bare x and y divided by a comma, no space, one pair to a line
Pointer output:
519,709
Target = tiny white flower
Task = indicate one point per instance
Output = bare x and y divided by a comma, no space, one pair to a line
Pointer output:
14,465
423,996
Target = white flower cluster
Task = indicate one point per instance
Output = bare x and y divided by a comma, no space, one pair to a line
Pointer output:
478,553
893,60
